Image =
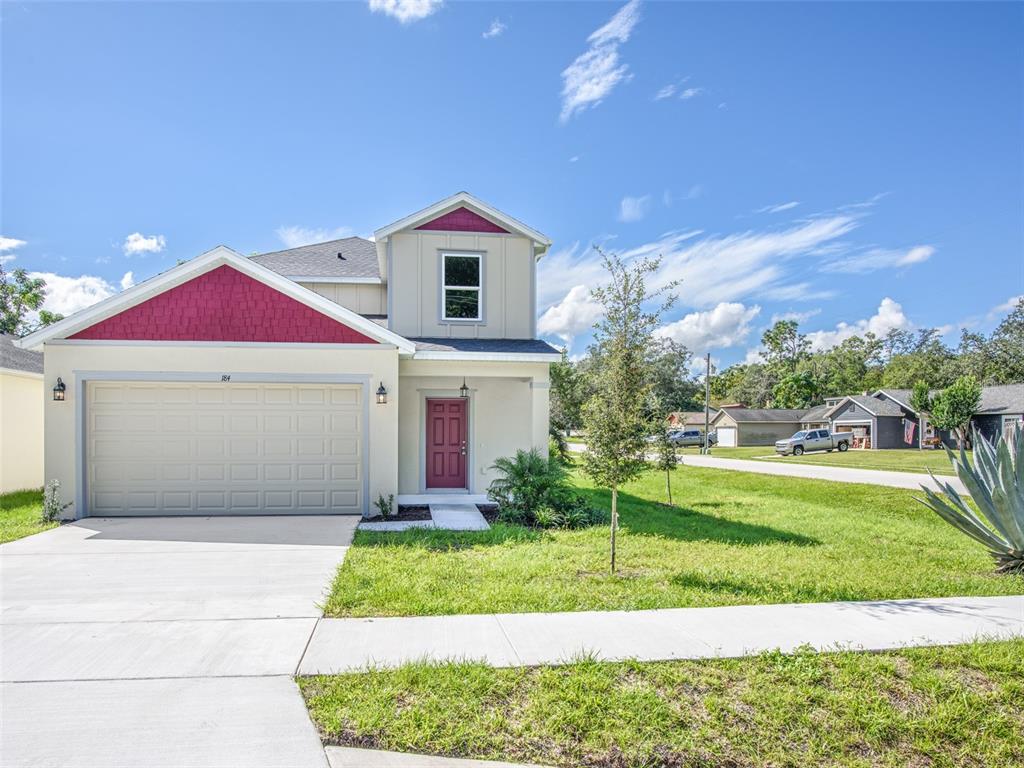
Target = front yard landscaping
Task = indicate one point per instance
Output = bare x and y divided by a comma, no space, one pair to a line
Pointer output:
20,515
734,538
957,706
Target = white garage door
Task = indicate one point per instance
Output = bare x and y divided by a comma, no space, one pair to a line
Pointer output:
168,448
727,437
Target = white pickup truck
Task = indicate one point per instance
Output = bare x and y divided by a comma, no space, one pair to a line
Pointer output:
814,440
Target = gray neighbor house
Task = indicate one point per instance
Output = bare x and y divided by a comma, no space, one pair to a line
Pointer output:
878,420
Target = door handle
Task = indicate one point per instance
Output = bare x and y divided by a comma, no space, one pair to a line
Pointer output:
462,449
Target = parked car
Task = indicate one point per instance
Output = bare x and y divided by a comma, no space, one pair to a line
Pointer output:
684,437
814,440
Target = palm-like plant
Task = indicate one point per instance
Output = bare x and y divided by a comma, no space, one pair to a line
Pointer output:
996,484
525,481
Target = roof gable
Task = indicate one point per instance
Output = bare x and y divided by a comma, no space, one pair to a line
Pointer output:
71,326
479,210
463,220
223,305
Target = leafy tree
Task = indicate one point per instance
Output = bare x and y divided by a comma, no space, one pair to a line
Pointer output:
19,295
784,345
672,386
796,390
616,416
568,393
953,408
921,402
667,460
1007,348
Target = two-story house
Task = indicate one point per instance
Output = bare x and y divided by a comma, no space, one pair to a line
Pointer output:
305,381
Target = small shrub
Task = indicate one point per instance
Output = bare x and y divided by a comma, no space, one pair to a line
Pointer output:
52,503
558,446
385,506
532,491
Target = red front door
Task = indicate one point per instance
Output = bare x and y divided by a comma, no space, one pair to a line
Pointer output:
446,443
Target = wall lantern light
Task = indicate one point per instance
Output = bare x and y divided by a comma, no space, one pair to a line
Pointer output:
58,390
382,394
463,390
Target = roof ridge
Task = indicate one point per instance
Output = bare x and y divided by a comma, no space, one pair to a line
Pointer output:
311,245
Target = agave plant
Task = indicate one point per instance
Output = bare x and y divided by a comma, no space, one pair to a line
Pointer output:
996,484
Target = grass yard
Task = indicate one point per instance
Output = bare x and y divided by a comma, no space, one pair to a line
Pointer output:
735,538
895,460
957,706
19,515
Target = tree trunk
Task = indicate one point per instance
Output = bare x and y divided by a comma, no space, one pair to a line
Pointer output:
668,485
615,522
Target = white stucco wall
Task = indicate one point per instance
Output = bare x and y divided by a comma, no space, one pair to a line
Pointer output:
508,410
70,360
21,430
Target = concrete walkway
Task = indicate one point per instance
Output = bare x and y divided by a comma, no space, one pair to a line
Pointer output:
781,467
505,640
163,641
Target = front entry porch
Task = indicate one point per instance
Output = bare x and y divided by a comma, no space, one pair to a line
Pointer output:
457,417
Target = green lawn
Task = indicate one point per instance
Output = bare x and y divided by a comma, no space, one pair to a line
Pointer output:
939,707
19,515
896,460
734,538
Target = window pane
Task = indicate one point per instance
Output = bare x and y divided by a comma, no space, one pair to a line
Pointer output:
462,270
462,304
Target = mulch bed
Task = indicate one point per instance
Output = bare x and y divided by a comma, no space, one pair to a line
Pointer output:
407,513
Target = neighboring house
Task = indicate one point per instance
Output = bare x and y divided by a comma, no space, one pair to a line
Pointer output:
689,419
875,422
817,417
1001,407
306,381
21,417
755,426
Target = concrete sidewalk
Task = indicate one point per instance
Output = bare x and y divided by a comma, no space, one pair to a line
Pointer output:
783,468
504,640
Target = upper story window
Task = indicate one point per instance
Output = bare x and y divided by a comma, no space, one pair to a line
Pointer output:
461,280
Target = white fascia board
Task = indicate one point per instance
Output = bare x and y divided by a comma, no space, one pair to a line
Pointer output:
343,280
221,255
492,357
462,198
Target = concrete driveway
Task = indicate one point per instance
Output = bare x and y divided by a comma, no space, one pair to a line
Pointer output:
162,641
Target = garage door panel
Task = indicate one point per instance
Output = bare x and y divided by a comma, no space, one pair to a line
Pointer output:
214,449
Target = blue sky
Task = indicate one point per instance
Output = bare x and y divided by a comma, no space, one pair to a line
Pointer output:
858,166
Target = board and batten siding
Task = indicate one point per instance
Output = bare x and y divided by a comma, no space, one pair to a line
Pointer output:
364,298
508,285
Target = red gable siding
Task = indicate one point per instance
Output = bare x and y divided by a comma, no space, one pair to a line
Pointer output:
223,305
462,220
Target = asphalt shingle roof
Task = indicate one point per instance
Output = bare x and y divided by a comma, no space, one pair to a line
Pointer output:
817,413
1002,398
322,260
516,346
17,359
779,415
877,405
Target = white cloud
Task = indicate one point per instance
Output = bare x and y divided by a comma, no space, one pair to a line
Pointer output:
496,28
575,313
137,243
890,315
294,236
1006,307
10,244
724,326
67,295
597,71
689,93
127,281
634,208
665,92
779,207
800,317
406,10
880,258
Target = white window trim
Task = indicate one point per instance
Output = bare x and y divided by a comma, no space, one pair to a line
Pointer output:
479,288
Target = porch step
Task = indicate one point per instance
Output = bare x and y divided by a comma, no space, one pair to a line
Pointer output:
458,517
